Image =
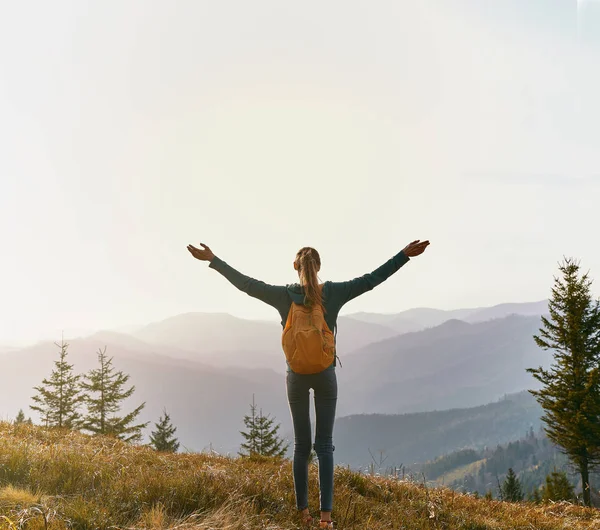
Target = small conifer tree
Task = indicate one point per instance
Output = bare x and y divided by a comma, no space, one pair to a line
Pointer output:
163,439
20,417
261,437
534,496
104,394
58,398
511,488
558,487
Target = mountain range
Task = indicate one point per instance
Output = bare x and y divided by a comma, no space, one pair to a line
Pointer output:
204,368
407,439
421,318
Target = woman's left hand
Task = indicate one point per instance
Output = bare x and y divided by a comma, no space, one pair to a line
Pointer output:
203,255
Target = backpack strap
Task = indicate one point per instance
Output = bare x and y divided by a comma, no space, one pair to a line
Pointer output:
336,357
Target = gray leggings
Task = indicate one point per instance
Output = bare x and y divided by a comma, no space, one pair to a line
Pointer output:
325,389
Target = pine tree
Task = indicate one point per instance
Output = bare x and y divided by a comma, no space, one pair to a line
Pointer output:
163,438
104,395
488,495
570,395
534,496
261,438
511,488
250,446
269,442
20,417
558,487
58,398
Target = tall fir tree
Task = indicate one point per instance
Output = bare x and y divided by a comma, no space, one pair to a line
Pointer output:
104,395
262,437
511,488
558,487
570,393
163,438
59,398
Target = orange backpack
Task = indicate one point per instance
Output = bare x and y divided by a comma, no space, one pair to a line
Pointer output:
307,341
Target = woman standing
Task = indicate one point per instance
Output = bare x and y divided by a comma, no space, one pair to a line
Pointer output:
320,305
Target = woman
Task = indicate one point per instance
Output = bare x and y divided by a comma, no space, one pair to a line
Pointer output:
330,296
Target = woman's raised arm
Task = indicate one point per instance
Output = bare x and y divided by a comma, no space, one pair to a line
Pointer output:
346,291
274,295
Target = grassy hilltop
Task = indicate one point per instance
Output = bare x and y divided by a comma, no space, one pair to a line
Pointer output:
53,479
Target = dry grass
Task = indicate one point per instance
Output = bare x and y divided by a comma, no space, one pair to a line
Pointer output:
12,497
86,482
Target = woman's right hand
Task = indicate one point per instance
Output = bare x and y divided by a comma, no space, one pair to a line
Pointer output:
203,255
415,248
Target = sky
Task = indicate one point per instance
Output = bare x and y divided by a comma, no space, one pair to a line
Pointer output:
130,129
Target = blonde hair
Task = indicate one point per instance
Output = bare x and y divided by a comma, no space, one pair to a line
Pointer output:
309,262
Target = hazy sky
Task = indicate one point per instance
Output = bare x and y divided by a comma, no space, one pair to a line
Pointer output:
130,129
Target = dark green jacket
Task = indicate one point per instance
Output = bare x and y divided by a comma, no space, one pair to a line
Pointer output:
335,294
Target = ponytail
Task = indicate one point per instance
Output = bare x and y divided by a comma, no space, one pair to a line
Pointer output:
309,263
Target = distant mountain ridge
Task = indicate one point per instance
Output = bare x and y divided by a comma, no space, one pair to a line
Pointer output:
422,317
419,437
452,365
224,340
205,367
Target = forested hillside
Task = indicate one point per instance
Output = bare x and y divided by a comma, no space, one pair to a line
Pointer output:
408,438
532,458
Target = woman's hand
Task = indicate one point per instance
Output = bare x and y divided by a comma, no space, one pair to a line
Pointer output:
202,255
415,248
